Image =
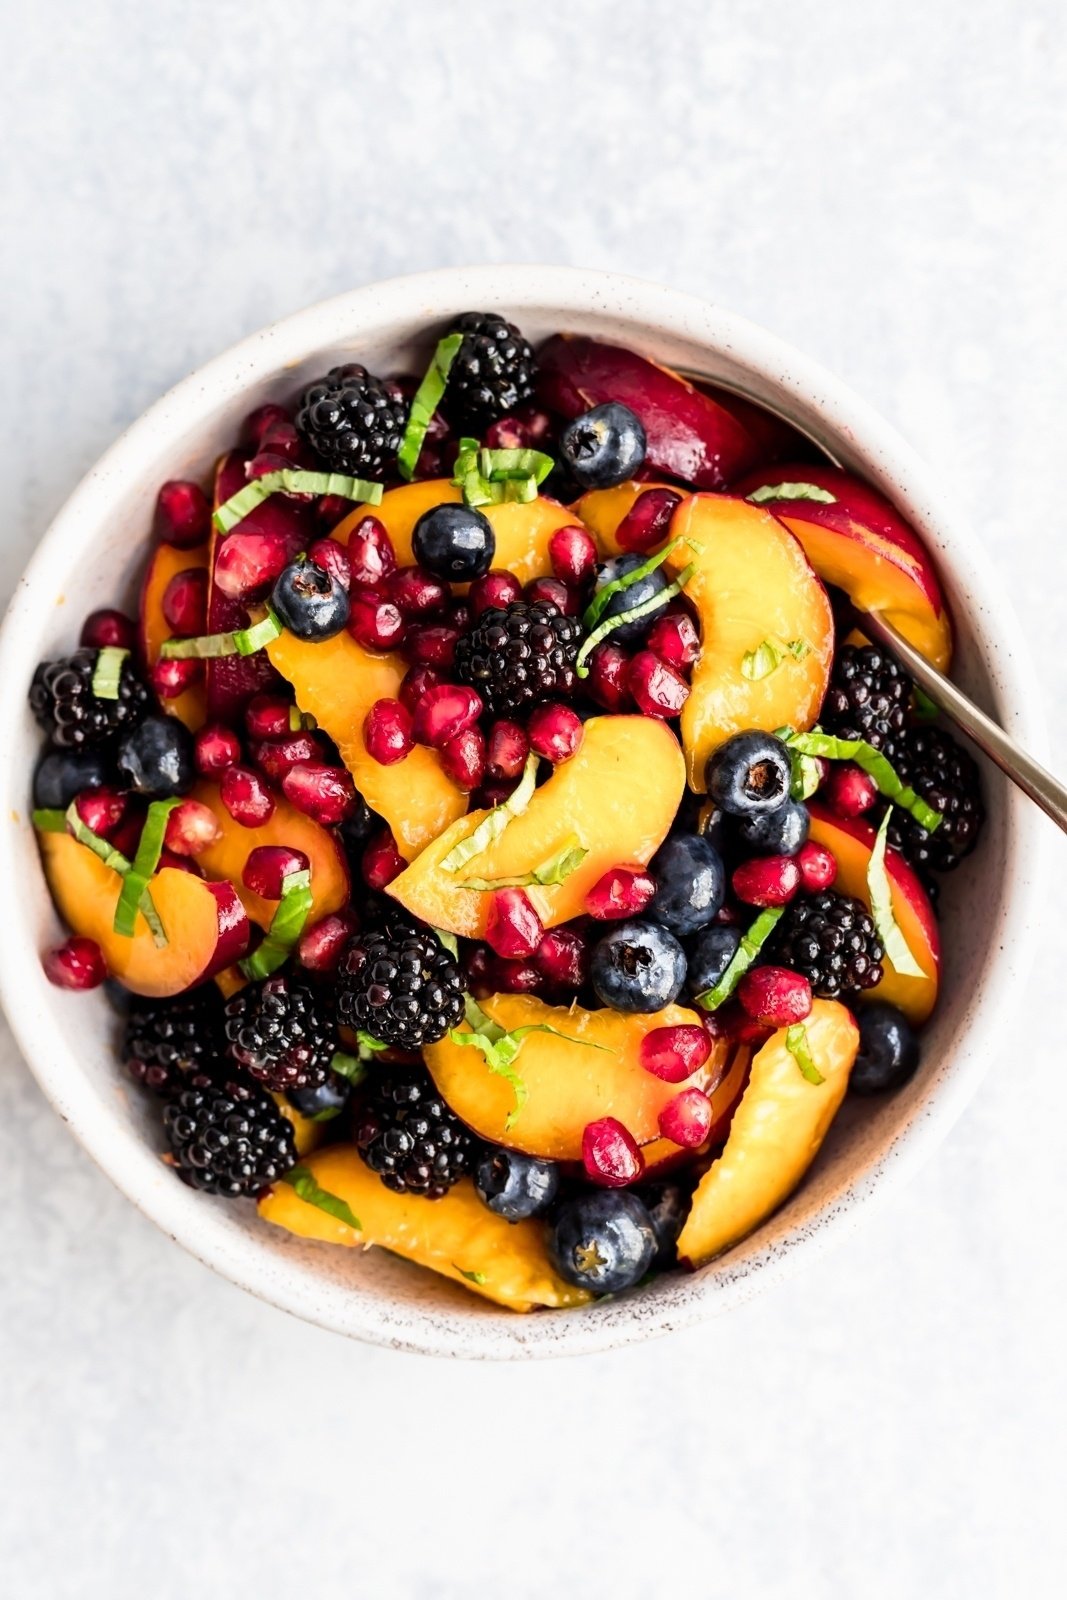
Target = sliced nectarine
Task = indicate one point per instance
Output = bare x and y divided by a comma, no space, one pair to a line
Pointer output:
457,1236
615,798
775,1134
166,562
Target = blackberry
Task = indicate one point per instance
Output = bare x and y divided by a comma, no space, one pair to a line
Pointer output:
400,984
868,698
492,371
944,775
282,1032
62,700
519,654
407,1135
831,939
229,1145
169,1045
353,421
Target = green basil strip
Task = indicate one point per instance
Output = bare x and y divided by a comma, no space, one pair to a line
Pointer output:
492,826
287,924
49,821
108,672
242,642
791,491
292,480
873,762
609,624
489,477
302,1179
471,1277
136,880
500,1049
751,944
427,398
881,893
448,941
557,869
796,1042
108,854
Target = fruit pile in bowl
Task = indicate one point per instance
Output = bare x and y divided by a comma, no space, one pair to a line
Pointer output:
500,838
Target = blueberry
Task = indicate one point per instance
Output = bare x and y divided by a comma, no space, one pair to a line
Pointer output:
643,589
776,833
710,956
322,1101
668,1207
156,759
602,1241
638,966
603,447
690,883
889,1051
65,773
515,1185
454,542
750,773
310,602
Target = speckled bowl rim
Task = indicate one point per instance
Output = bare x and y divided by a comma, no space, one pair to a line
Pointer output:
474,1330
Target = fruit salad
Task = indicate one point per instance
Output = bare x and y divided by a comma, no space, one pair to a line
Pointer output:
499,839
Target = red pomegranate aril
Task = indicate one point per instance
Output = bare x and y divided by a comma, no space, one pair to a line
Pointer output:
75,964
185,602
496,589
431,644
488,795
658,689
332,558
267,717
127,836
675,1053
417,593
520,430
382,861
217,747
817,867
101,810
514,977
445,711
767,881
191,828
478,968
562,958
686,1120
646,523
319,948
325,794
332,510
611,1155
183,515
387,732
507,751
416,682
280,438
674,638
775,996
573,555
374,622
555,732
246,796
513,928
609,677
171,676
104,629
268,866
550,590
463,759
371,555
248,563
258,422
177,863
621,892
276,757
849,790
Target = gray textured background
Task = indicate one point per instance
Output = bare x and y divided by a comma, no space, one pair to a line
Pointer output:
882,185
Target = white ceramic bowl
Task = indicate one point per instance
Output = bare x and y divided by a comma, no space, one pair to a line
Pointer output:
90,557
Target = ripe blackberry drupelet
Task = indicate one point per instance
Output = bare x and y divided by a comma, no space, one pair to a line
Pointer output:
282,1031
517,655
399,983
62,700
943,774
492,371
407,1135
831,939
868,698
174,1044
353,421
227,1145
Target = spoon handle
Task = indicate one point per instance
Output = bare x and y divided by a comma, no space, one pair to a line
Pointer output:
1022,769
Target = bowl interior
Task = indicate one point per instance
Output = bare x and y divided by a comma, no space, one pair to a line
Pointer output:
93,555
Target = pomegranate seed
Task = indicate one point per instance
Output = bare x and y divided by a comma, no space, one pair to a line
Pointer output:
674,638
686,1120
645,524
555,732
611,1155
739,1026
332,558
183,516
417,593
444,711
101,810
387,732
675,1053
375,622
259,421
621,892
555,593
332,510
326,794
370,552
246,796
431,646
108,628
268,866
507,751
280,438
176,863
488,795
382,861
185,602
850,791
217,747
563,958
463,759
416,682
767,881
818,869
513,927
608,682
521,430
267,717
248,563
657,688
276,757
573,555
496,589
478,967
76,964
171,677
191,828
514,977
319,948
775,996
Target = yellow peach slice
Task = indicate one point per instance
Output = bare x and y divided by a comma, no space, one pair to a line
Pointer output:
167,561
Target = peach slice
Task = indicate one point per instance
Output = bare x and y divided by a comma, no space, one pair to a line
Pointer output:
167,561
861,544
225,859
456,1236
851,842
205,922
616,798
752,585
775,1134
